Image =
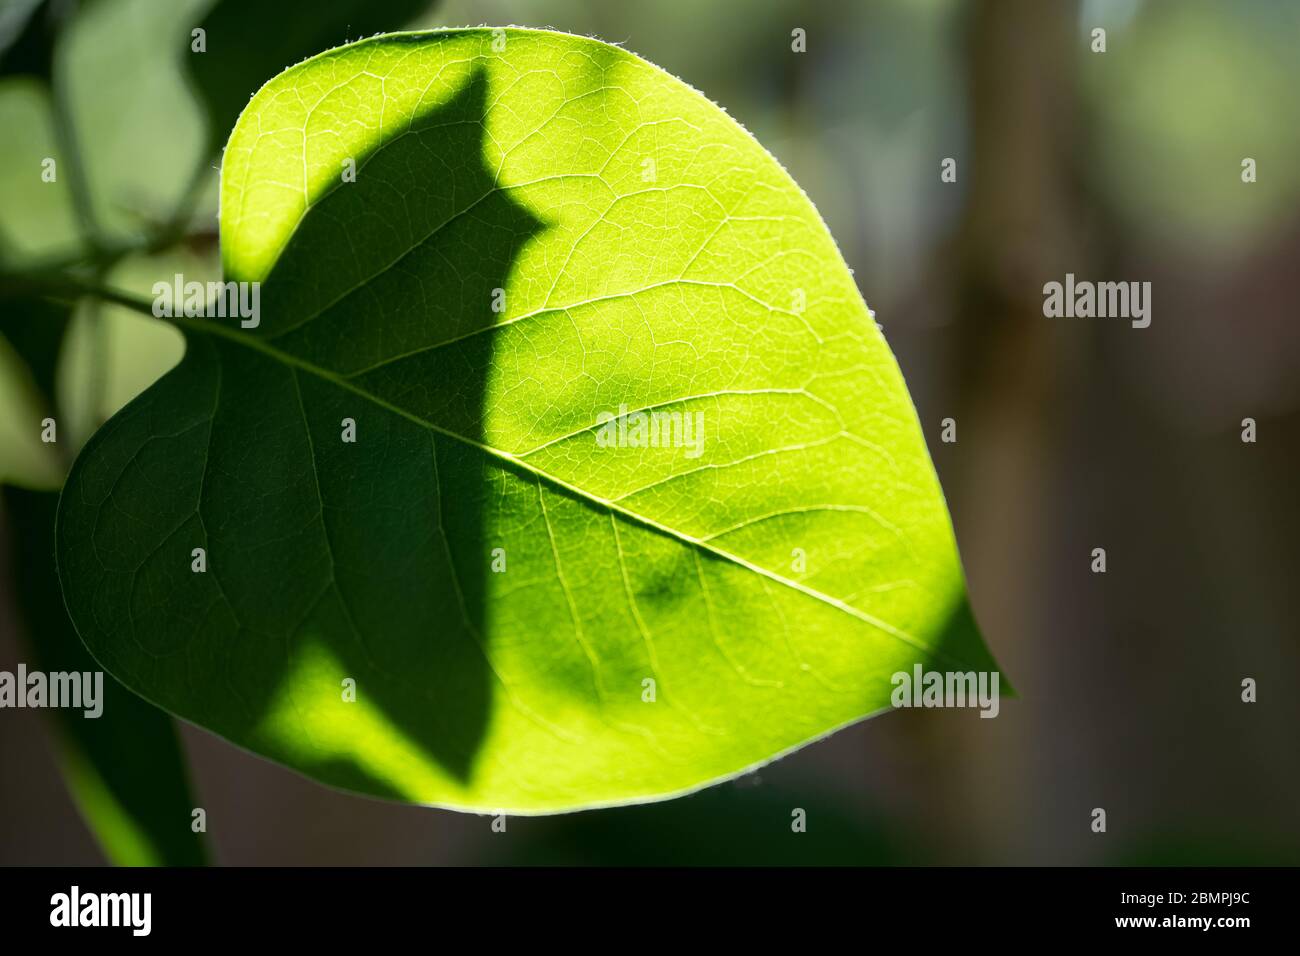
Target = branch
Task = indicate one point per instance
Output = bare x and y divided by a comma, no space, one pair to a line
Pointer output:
65,287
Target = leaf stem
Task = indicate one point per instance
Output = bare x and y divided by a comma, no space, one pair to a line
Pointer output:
78,184
66,287
97,374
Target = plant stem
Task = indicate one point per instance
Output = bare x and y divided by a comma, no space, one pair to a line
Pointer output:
84,207
97,374
78,185
65,287
177,225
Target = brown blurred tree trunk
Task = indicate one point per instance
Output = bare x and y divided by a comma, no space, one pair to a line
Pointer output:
1010,372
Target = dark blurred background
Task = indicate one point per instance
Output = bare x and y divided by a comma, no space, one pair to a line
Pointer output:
1072,434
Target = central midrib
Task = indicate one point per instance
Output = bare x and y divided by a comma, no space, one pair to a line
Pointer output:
286,358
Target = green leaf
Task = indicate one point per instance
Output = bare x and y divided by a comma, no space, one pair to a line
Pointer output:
111,354
643,251
121,64
124,768
36,217
78,365
24,459
35,328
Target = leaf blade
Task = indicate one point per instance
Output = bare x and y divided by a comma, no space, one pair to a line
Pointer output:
524,690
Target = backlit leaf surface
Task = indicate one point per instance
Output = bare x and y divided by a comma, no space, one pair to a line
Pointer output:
542,228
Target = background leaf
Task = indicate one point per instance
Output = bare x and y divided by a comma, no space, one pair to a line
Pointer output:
145,151
111,353
24,459
701,281
125,768
36,218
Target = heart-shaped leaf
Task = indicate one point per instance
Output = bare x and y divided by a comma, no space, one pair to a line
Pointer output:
565,466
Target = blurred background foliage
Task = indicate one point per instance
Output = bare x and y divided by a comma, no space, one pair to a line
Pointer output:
1072,434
